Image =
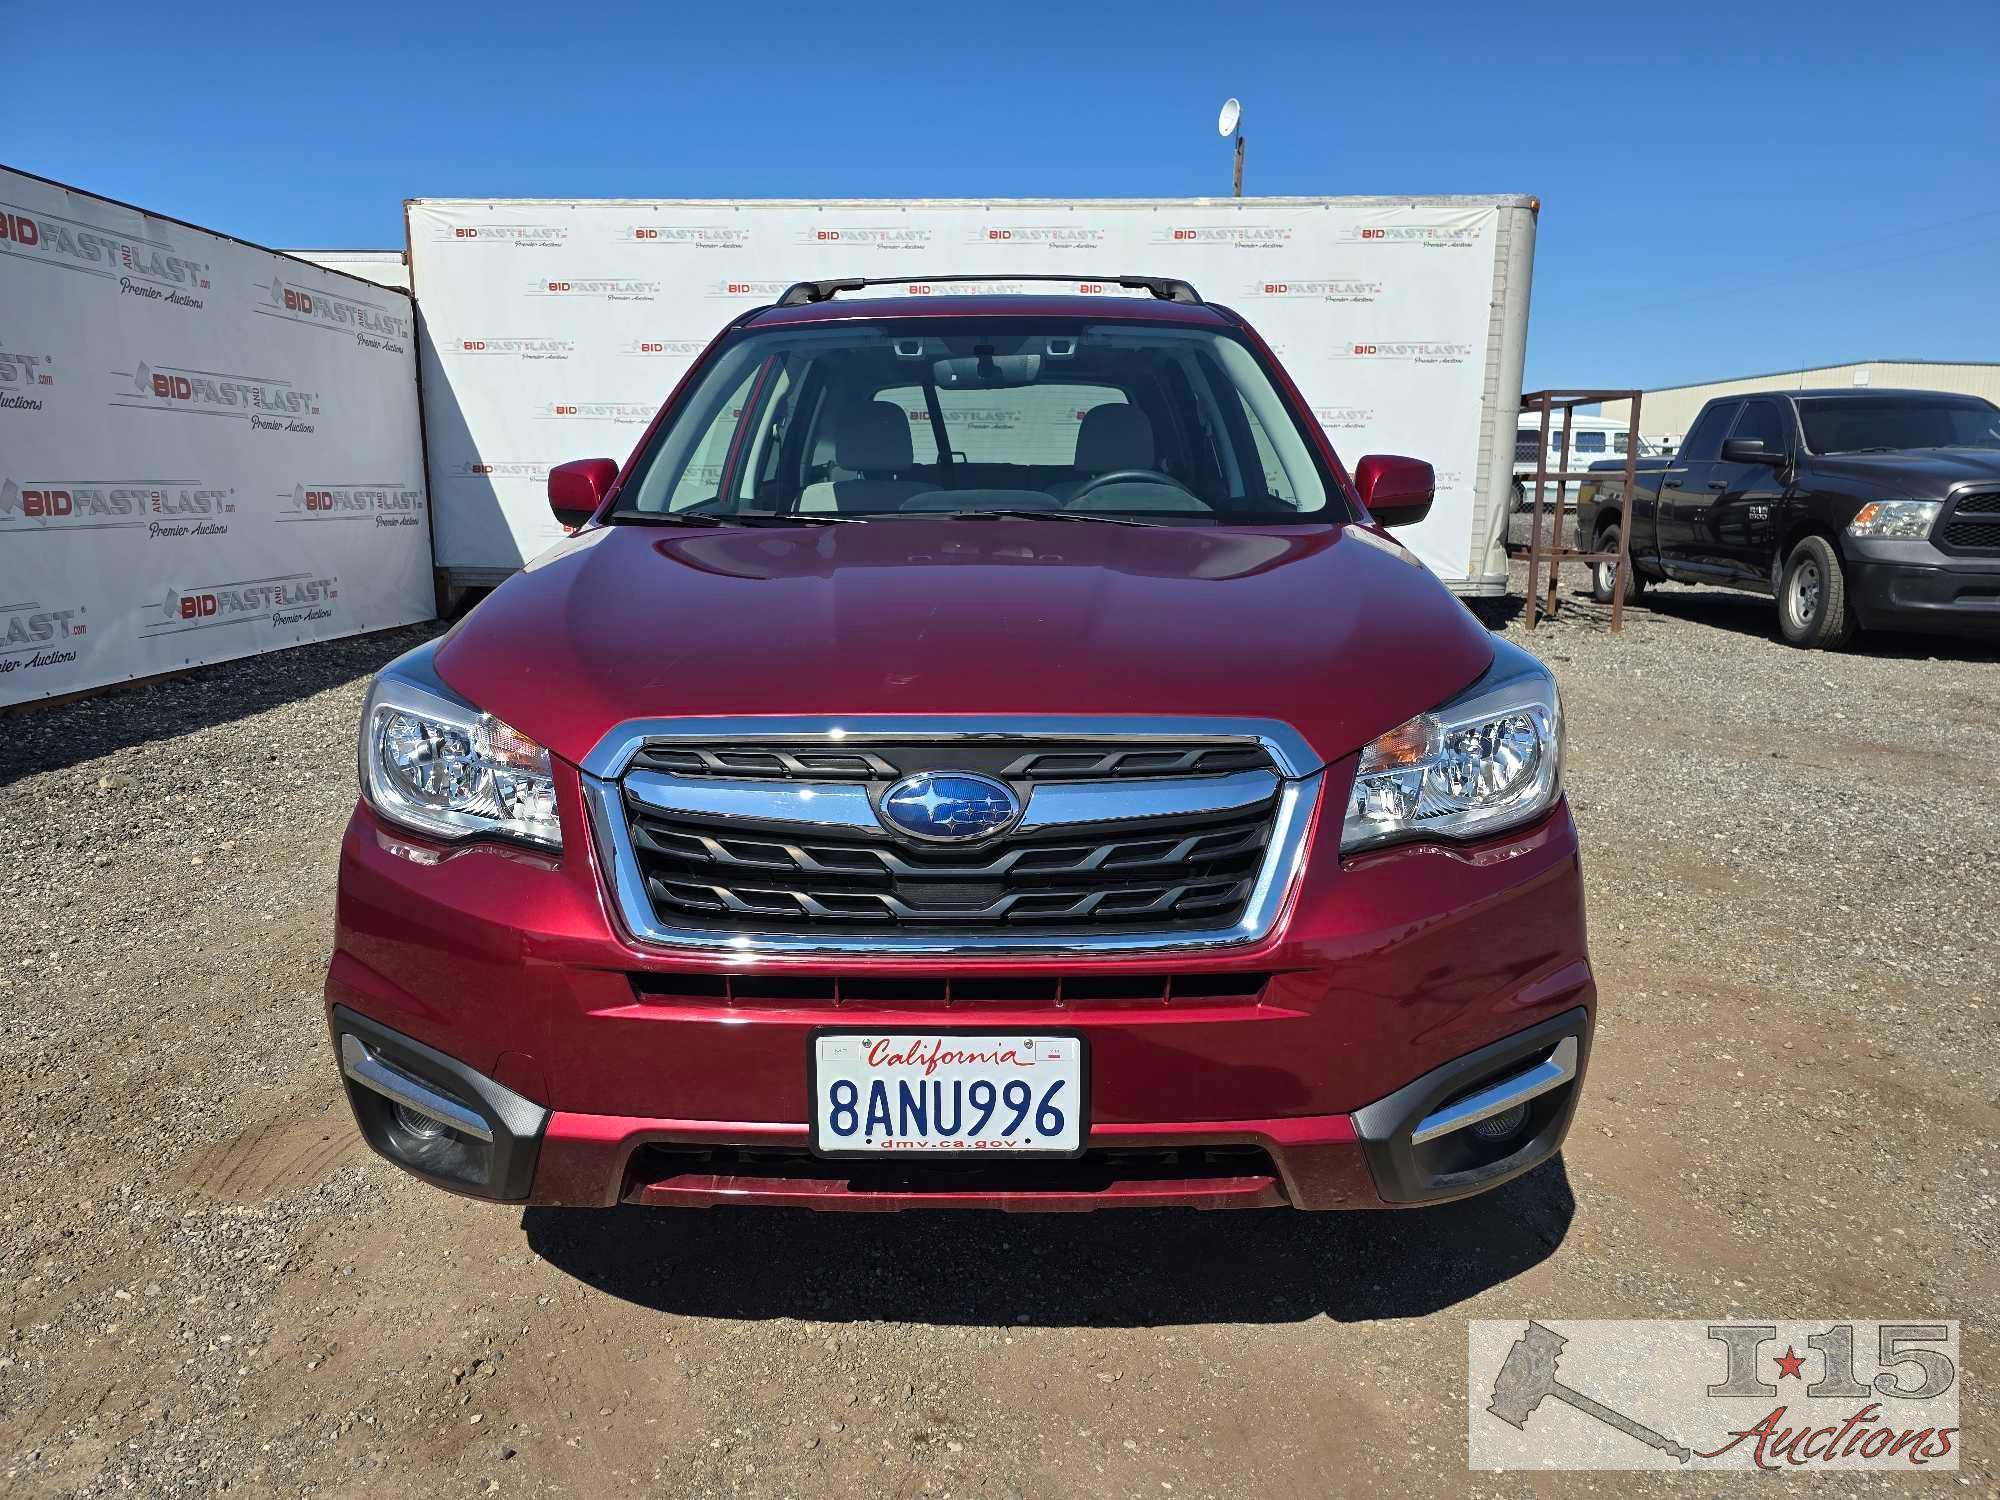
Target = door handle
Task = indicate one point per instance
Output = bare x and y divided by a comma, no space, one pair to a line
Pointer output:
1718,484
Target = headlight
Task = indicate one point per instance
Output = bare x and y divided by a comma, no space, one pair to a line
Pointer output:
1895,518
433,762
1488,760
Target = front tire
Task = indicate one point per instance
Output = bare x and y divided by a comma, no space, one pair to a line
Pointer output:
1813,610
1604,575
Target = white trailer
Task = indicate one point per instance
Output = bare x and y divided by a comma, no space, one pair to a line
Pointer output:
553,329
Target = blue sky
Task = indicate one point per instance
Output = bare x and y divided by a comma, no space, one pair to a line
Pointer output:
1726,189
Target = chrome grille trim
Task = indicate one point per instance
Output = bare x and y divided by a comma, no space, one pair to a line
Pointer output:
1296,800
610,756
845,804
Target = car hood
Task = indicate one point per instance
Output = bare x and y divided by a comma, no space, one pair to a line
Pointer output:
1919,474
1335,630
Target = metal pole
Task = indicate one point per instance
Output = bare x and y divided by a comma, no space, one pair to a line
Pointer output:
1239,166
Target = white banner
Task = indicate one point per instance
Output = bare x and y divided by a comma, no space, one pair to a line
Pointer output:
554,330
207,449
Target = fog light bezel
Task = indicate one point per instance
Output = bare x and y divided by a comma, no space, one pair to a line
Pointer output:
493,1137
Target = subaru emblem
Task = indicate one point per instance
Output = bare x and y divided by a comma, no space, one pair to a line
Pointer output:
949,807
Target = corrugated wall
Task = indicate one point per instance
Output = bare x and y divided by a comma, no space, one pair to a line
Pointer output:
1671,412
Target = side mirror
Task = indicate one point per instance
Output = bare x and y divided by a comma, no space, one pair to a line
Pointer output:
1397,491
1750,451
578,487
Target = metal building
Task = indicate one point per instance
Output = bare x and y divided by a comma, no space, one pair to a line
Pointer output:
1666,414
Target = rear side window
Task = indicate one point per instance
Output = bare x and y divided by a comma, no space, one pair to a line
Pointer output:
1705,441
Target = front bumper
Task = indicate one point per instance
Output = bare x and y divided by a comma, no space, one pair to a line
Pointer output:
1914,586
678,1079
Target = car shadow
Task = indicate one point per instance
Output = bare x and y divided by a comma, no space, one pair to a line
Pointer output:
1138,1268
37,737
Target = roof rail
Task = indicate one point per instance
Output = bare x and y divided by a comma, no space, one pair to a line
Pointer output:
801,293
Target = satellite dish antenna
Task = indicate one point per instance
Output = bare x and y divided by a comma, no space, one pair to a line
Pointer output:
1229,119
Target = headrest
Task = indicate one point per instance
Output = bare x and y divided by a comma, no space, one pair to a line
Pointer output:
1114,437
873,438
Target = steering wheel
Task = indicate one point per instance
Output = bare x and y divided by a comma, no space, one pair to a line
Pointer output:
1130,476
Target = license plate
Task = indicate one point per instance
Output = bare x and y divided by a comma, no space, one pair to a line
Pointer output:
877,1093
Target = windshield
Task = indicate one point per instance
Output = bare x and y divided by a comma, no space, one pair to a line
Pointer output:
1079,418
1890,424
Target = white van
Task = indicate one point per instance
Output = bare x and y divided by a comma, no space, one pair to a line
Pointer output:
1595,438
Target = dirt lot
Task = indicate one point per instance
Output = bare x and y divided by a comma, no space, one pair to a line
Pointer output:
212,1285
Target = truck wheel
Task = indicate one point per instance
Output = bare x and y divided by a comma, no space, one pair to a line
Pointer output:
1812,598
1604,575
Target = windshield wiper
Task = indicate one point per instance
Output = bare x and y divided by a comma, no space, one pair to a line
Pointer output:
667,517
1028,515
751,519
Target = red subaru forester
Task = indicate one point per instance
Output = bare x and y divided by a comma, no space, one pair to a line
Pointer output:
980,751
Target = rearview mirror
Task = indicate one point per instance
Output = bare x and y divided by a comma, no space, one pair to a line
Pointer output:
1397,491
578,487
1749,451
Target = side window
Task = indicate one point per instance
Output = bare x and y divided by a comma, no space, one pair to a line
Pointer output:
1527,445
1705,440
698,481
1763,421
1619,442
1590,442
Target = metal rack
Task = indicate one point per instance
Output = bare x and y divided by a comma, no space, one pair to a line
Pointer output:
1554,552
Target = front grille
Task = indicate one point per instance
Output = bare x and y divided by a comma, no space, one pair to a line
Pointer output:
1140,874
1973,524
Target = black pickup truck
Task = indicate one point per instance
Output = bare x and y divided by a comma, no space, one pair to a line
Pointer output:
1870,508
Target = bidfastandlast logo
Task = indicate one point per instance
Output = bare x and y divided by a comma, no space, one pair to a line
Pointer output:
373,327
287,600
507,348
141,267
683,236
867,237
1320,289
1435,236
624,412
383,504
599,288
267,404
166,508
768,291
524,236
1407,351
663,348
23,379
505,468
1236,236
34,636
1041,236
1736,1396
965,288
1345,418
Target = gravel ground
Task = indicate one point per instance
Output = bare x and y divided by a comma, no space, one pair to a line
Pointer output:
1792,1112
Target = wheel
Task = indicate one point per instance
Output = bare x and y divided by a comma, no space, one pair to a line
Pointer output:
1604,575
1812,598
1520,497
